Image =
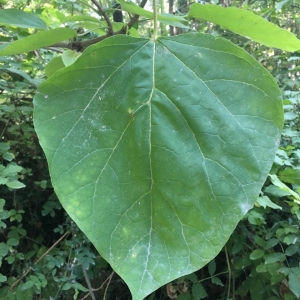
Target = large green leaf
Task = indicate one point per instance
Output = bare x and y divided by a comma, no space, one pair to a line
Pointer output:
157,149
19,18
38,40
248,24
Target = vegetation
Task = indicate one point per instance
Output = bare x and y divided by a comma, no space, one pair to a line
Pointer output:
99,85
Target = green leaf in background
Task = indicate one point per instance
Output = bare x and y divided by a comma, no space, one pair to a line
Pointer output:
69,57
19,18
265,201
294,281
198,291
256,254
15,184
274,257
157,162
285,188
38,40
2,278
248,24
290,176
163,18
54,65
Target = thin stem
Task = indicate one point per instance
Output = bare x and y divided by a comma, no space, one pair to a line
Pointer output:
229,272
155,19
103,13
111,276
87,280
225,272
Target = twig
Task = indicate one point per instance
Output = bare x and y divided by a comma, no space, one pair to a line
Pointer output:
103,13
90,288
111,276
25,274
229,272
81,45
102,285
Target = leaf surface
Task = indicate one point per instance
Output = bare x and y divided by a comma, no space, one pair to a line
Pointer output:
38,40
248,24
157,149
19,18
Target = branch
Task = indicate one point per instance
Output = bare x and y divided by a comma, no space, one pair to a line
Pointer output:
81,45
87,280
103,13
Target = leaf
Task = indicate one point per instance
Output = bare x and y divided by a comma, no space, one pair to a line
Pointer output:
13,242
163,18
38,40
3,278
69,57
217,280
15,184
80,18
256,254
248,24
212,267
198,291
12,169
265,201
19,18
284,187
294,282
54,65
290,176
274,257
157,149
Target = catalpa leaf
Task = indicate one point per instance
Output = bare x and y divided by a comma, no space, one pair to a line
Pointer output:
157,149
38,40
19,18
248,24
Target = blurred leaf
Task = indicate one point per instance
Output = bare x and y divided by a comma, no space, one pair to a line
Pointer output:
285,188
265,201
274,257
3,278
290,176
19,18
198,291
257,253
291,250
216,280
66,286
69,57
15,184
38,40
168,19
54,65
212,267
80,287
294,282
248,24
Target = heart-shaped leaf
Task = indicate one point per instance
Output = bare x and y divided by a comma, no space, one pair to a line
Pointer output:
158,148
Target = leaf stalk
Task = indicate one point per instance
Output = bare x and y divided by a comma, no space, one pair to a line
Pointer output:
155,19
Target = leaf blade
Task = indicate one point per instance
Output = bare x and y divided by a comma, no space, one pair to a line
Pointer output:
247,24
19,18
150,160
38,40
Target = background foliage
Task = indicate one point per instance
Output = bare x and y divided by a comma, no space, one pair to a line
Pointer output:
45,256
